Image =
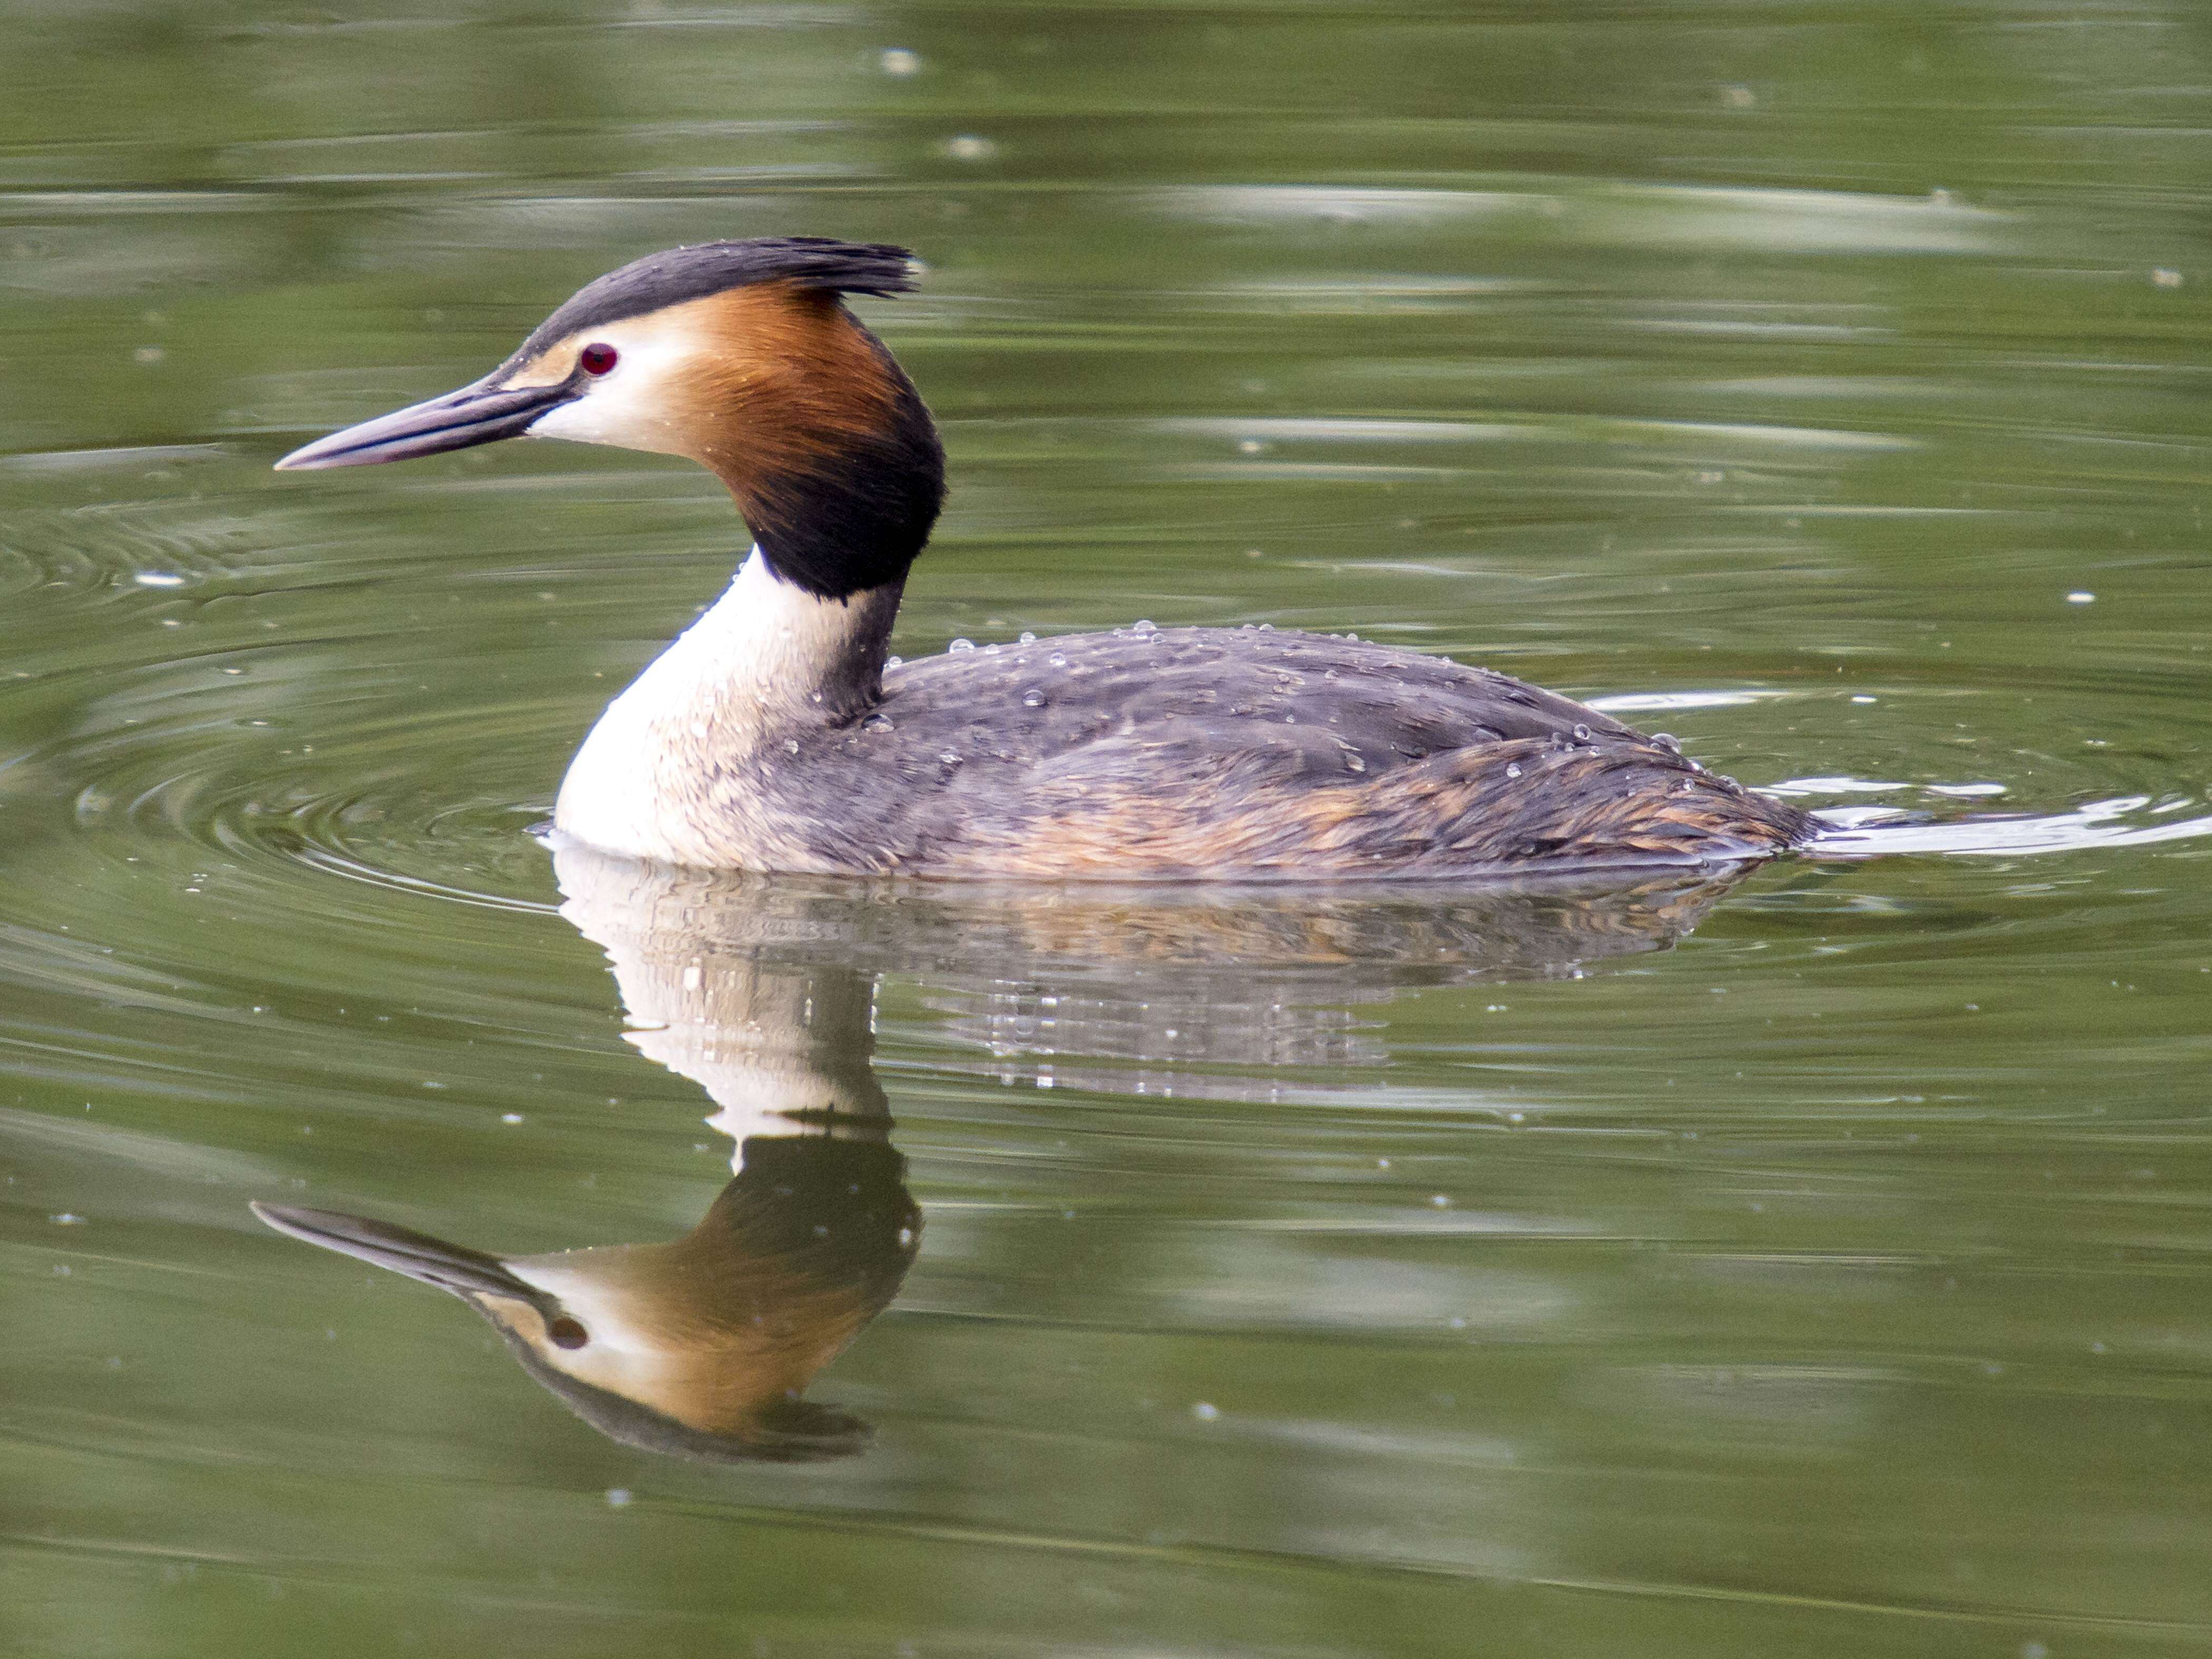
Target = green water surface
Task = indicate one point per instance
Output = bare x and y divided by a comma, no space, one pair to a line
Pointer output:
1820,1264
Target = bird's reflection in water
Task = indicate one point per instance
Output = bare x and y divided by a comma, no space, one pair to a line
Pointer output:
762,990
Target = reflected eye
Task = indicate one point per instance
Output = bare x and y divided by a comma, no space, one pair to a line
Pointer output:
567,1332
598,357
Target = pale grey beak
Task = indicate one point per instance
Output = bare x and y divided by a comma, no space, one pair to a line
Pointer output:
477,414
452,1267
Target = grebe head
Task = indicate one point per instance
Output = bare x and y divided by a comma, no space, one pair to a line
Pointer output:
699,1347
741,356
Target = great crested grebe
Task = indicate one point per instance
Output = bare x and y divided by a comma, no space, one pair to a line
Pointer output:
771,736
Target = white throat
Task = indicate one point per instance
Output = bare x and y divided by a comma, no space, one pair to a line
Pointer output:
674,762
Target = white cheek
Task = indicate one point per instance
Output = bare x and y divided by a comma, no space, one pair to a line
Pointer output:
628,408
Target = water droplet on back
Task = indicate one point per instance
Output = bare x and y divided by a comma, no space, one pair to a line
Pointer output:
1581,732
958,645
1033,698
1513,769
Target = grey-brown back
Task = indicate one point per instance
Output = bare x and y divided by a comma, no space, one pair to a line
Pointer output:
1162,752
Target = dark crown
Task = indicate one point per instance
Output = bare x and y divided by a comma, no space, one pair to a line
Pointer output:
678,274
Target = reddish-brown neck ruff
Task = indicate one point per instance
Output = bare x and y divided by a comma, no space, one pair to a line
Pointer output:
780,391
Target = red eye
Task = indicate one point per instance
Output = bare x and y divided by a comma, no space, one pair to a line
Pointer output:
599,358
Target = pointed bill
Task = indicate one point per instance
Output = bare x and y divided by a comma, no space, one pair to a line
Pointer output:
477,414
449,1267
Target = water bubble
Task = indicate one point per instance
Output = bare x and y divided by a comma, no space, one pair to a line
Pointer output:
1144,627
1513,769
877,723
1667,741
1028,638
991,650
791,745
1058,659
949,756
958,645
1353,763
1033,698
893,662
1581,732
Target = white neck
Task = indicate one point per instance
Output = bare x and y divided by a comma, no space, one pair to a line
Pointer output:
672,767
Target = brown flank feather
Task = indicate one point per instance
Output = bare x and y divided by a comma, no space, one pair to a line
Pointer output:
1499,805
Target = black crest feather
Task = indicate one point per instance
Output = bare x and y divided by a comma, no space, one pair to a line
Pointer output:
678,274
